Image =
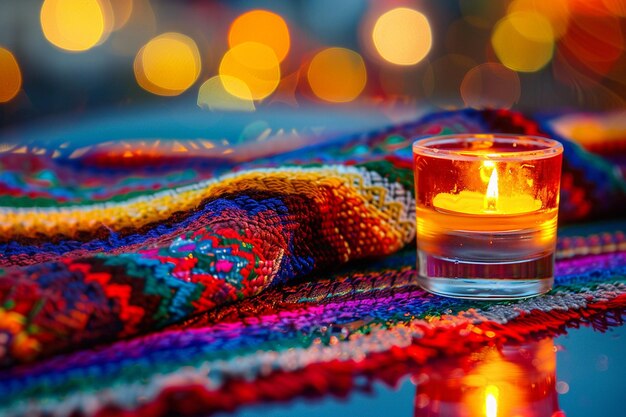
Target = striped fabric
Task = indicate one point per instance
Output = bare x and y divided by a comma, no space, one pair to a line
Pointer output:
191,286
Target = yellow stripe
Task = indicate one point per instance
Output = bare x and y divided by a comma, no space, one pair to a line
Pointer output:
137,212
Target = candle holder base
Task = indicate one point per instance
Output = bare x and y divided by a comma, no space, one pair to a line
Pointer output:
483,280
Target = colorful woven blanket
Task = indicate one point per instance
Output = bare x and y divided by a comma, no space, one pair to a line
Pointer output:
149,278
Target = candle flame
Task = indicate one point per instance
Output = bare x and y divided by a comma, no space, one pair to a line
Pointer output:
491,401
491,198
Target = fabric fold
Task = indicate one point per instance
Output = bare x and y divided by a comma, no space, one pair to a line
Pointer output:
84,274
255,230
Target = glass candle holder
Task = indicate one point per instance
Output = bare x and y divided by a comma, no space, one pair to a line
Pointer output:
487,207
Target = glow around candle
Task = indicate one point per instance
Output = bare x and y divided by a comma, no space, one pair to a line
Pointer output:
491,202
486,215
516,380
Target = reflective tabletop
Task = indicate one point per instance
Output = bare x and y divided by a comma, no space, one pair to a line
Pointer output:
578,374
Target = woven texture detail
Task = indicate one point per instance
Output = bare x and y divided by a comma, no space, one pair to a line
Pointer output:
145,290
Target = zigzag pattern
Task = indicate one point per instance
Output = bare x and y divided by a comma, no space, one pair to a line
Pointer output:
174,264
348,316
266,228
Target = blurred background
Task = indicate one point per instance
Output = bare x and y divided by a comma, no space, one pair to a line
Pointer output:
60,57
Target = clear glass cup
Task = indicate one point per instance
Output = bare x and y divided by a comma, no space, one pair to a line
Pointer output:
487,207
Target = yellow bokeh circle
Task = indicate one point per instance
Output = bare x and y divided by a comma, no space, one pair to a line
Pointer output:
168,64
523,41
121,11
253,63
555,11
337,75
263,27
212,95
402,36
10,76
73,25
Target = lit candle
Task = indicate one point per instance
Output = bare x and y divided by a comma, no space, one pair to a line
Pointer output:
490,202
486,214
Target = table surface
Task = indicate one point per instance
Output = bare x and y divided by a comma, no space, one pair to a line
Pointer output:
590,382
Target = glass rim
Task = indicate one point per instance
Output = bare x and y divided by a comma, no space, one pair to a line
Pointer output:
549,147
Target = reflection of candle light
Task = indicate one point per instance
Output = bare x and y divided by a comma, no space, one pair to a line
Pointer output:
512,381
491,198
491,400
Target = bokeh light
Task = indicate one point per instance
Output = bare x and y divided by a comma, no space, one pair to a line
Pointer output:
523,41
10,76
213,95
490,85
286,92
616,7
585,89
253,63
122,10
168,64
337,75
136,30
596,8
263,27
401,55
402,36
74,25
555,11
442,81
593,42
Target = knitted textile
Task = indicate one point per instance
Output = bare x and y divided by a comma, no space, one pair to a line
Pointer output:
138,291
